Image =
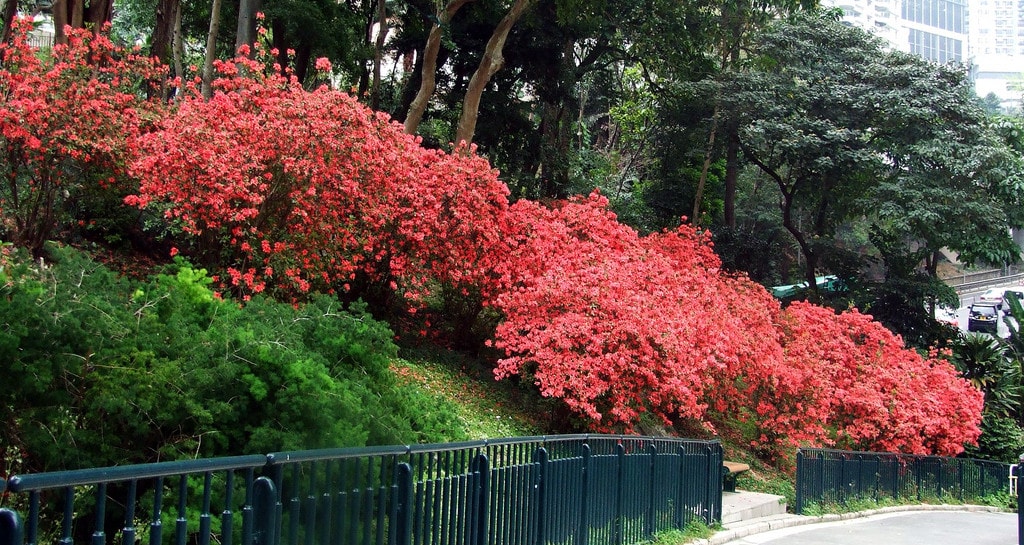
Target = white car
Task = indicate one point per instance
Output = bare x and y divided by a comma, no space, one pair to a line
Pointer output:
992,295
997,296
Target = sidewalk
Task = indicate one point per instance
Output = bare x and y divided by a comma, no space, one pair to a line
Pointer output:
737,528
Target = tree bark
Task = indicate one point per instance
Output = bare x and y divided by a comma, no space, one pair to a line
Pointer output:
211,49
428,72
732,168
246,32
489,65
378,52
695,218
178,47
161,46
10,11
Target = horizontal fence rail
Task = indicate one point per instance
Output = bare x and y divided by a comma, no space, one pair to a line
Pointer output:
570,489
826,476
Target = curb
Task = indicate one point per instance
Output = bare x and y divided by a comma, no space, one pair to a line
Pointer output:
756,526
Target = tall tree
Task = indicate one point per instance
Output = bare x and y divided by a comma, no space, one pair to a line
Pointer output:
490,63
846,129
428,70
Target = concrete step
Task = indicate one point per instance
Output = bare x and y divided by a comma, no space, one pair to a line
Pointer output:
743,505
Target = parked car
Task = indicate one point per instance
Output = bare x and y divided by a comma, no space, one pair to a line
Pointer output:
983,316
1005,303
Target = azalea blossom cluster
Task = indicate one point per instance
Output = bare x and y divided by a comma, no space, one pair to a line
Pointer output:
297,191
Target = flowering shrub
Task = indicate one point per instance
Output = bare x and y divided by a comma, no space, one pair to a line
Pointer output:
65,119
306,190
618,325
299,191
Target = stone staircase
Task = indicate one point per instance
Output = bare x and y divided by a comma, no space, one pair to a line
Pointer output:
747,513
743,506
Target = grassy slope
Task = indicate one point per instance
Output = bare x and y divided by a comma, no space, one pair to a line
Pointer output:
494,409
488,409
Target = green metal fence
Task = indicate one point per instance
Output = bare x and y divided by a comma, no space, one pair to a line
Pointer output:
572,489
826,476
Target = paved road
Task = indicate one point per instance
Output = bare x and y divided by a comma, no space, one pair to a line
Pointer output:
903,528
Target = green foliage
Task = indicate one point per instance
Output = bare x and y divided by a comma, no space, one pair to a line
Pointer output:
695,529
1001,439
111,373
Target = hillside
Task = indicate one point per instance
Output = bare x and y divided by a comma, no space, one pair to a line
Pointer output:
495,409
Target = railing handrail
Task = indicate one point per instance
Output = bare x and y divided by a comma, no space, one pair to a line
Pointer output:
834,475
623,485
115,474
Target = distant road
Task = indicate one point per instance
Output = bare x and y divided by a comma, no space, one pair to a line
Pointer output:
904,528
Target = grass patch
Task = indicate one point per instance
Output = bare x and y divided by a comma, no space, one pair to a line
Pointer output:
694,530
1002,500
487,409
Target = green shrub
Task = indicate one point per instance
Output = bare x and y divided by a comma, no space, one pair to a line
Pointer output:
109,372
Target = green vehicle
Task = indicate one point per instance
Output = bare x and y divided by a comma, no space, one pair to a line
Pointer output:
830,283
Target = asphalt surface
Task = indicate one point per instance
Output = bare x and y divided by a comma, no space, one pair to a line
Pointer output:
902,528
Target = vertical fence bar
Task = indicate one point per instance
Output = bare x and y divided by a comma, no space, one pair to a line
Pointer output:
69,516
128,532
265,503
584,536
1020,501
156,526
801,467
11,530
204,515
680,491
539,489
483,495
620,462
181,523
401,523
226,517
99,537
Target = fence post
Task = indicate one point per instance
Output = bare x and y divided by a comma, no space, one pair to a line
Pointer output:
620,457
1020,502
584,534
11,530
264,505
401,524
680,488
649,527
541,458
483,499
799,507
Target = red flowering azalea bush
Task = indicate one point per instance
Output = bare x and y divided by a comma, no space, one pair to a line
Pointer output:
617,325
65,119
864,389
309,190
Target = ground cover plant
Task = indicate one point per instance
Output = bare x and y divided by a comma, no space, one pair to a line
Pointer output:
300,200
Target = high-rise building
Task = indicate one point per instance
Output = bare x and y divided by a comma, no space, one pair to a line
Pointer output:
987,35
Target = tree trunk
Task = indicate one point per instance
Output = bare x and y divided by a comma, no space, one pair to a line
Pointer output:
246,32
161,46
695,218
489,65
76,14
428,72
60,20
98,14
178,48
378,52
732,168
211,49
10,11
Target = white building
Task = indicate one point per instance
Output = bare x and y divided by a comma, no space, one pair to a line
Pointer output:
987,34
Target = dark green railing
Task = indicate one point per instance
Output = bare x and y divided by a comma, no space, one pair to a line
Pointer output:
573,489
825,476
